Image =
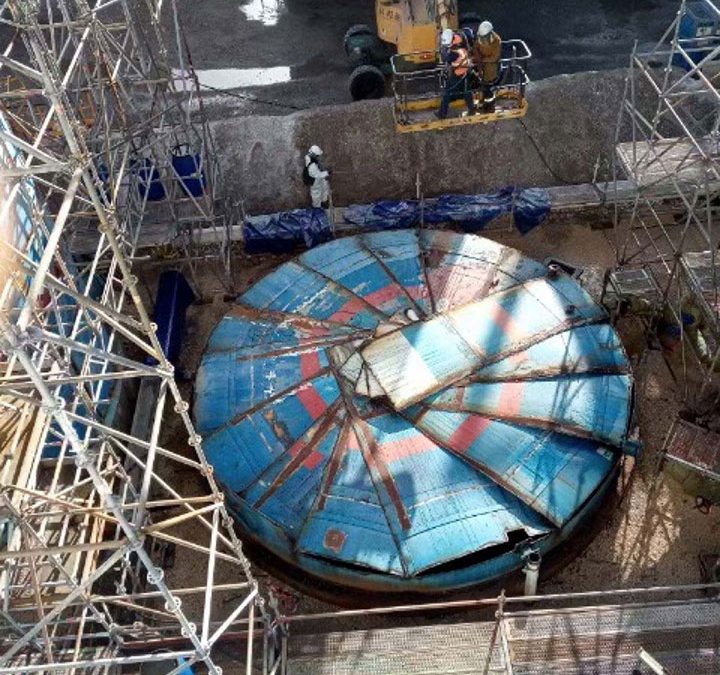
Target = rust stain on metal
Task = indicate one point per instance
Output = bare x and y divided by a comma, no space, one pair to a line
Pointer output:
270,399
334,540
331,418
290,319
307,345
338,454
374,461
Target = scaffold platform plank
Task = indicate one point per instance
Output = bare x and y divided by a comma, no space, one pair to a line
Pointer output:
662,161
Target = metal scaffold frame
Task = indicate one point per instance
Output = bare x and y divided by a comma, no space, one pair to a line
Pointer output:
89,507
666,240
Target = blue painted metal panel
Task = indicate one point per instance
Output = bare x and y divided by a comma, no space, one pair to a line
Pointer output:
354,267
251,335
286,490
239,453
295,289
424,357
344,486
460,271
582,349
553,473
350,524
450,510
400,252
228,386
506,322
595,406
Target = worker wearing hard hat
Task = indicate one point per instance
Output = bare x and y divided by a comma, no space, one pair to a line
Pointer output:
316,177
456,57
486,54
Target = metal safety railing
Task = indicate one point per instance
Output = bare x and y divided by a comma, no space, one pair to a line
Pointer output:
420,76
618,627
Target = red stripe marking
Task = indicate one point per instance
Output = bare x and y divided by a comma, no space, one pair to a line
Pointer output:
511,398
312,401
317,331
416,444
314,460
348,310
384,295
468,432
458,285
418,292
297,446
507,324
309,364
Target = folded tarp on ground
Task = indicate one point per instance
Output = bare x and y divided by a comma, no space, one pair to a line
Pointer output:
470,212
283,232
530,208
385,215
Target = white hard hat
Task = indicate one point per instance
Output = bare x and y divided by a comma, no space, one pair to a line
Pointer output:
315,150
485,28
446,37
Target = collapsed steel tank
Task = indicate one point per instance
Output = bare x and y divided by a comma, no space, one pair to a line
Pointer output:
413,410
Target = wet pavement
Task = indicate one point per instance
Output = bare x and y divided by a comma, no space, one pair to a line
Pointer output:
288,53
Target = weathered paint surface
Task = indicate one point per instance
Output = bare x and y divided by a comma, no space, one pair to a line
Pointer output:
424,357
391,403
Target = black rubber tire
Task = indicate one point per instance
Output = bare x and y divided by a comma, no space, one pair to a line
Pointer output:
367,82
359,29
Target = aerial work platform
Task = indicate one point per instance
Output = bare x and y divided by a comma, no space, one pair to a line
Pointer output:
418,82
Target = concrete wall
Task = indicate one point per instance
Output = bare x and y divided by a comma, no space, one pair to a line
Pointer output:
572,119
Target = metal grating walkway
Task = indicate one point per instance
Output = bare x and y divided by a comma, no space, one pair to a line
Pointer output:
609,638
683,637
423,650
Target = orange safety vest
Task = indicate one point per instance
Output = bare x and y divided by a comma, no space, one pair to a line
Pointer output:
461,64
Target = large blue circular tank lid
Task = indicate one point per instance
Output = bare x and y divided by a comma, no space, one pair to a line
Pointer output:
399,402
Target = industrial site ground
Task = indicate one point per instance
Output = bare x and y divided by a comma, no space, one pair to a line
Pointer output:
284,55
650,533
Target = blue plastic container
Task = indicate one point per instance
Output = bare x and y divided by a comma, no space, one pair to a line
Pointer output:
698,25
150,182
174,296
189,169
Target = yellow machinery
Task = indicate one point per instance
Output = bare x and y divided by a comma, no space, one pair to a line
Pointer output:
405,47
413,25
403,27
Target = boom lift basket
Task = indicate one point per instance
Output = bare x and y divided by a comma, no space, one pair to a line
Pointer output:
418,83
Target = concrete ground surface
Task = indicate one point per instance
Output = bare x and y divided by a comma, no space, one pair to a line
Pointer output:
651,534
293,48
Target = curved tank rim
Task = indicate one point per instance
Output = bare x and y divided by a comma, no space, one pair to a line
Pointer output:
478,574
279,537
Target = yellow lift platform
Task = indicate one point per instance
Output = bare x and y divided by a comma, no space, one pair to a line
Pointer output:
418,82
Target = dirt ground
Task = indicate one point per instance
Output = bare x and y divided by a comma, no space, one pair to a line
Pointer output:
655,535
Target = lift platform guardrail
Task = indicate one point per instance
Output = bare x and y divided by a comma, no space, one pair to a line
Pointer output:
418,83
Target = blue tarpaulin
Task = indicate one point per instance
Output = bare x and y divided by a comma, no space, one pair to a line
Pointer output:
471,212
385,215
530,208
283,232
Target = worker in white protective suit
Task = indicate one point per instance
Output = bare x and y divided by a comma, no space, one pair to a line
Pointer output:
316,177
